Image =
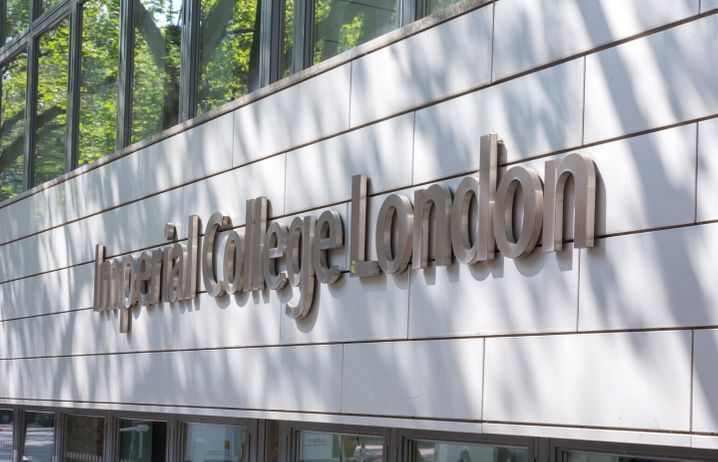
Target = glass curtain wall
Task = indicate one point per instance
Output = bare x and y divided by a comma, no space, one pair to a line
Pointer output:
13,77
6,434
110,104
141,441
99,70
84,438
39,444
334,447
156,66
228,51
343,24
16,18
437,451
211,442
51,107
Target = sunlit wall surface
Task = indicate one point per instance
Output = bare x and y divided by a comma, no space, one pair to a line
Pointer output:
180,59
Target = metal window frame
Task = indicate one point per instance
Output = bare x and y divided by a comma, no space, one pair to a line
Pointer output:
57,437
183,420
116,416
489,440
289,436
667,453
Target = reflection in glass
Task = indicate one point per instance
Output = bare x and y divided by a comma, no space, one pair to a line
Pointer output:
16,18
6,427
325,447
141,441
48,4
51,113
432,6
285,57
343,24
84,438
12,126
209,443
571,456
39,437
228,51
98,79
155,78
436,451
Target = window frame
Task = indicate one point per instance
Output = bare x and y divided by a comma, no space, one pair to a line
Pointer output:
558,446
407,436
289,436
215,420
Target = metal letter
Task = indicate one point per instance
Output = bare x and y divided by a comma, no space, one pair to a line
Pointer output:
99,259
394,259
532,194
217,222
233,266
260,230
464,250
191,260
153,291
557,172
487,195
176,270
274,248
329,236
300,267
129,282
358,266
143,274
439,198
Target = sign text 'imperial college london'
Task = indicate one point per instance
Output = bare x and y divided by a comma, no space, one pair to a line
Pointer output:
468,225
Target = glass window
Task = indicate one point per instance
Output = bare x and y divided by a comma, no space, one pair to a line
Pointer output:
438,451
98,79
343,24
16,18
39,443
84,438
334,447
432,6
156,74
209,443
48,4
228,51
51,116
573,456
6,432
141,441
12,126
285,57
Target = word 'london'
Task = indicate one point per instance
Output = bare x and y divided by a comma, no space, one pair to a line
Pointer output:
402,236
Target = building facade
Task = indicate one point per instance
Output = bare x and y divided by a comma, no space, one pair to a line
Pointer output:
343,231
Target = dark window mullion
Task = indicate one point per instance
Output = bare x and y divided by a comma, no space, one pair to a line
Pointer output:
30,110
